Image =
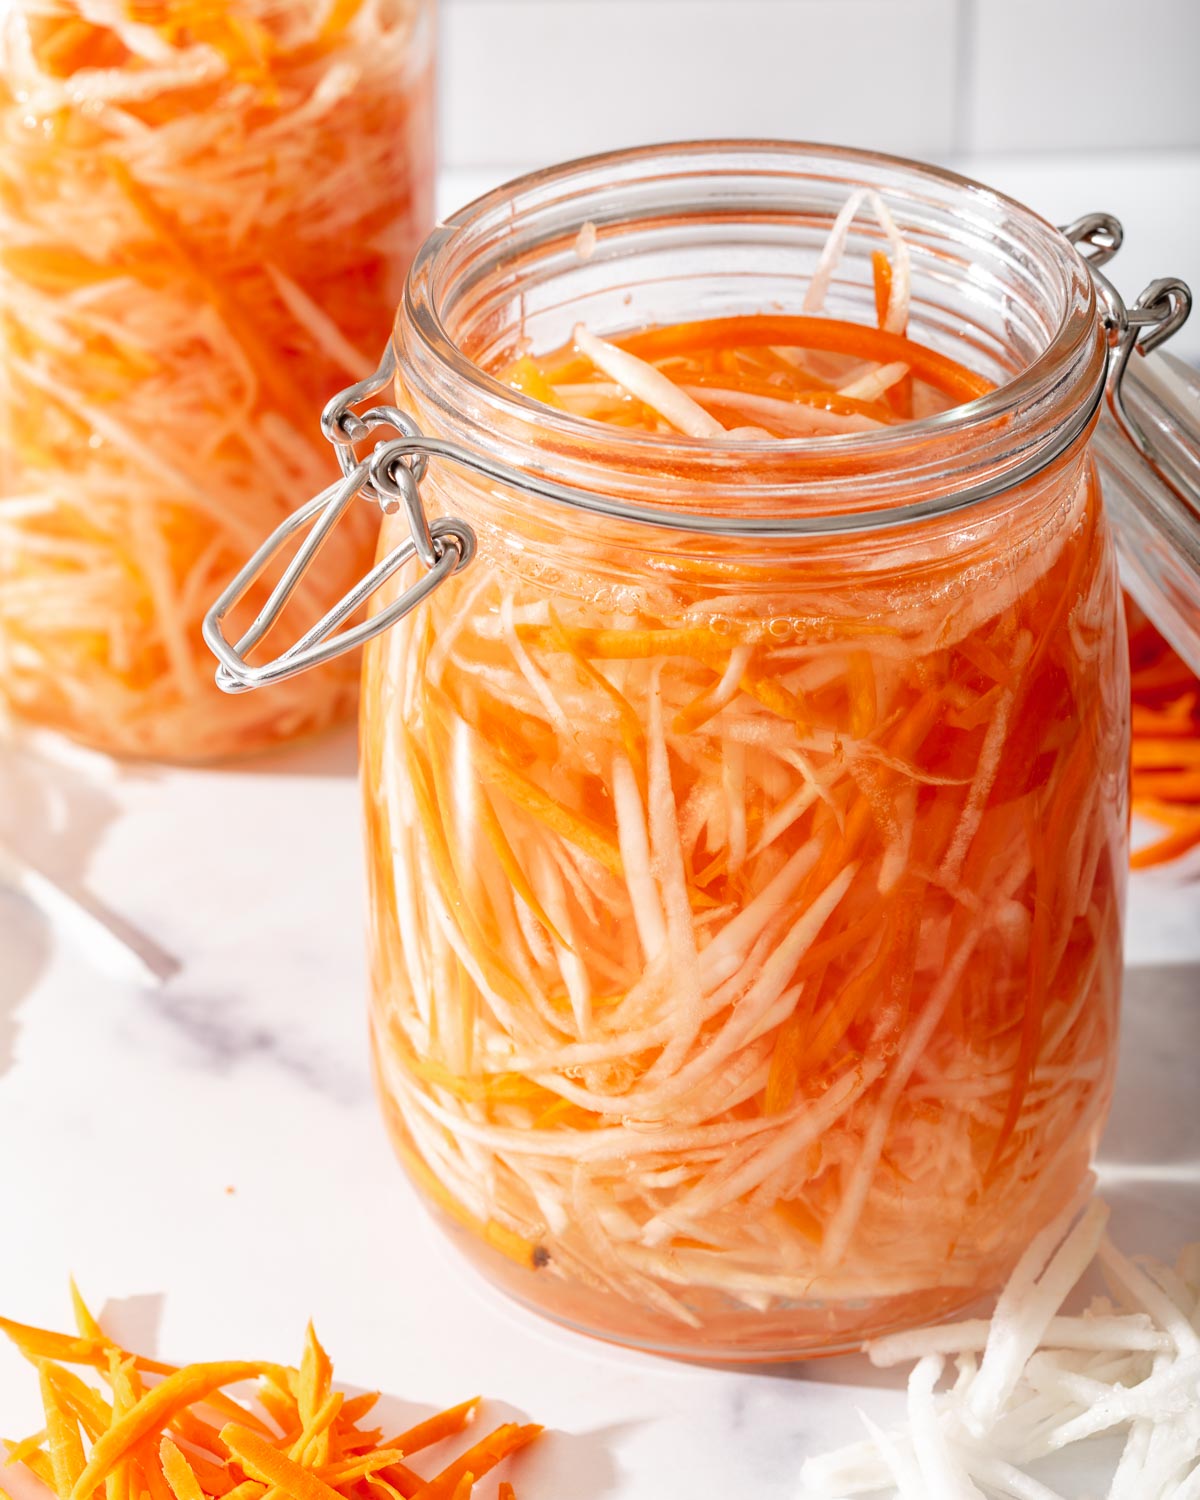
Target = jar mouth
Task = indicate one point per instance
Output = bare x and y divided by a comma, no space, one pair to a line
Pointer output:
994,285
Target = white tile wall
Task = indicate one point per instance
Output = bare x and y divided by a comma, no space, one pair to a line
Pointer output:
1085,74
528,81
532,81
1069,105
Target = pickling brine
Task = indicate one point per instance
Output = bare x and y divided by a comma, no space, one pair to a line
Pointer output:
747,916
206,214
744,735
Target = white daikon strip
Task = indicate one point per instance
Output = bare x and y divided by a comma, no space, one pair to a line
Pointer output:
649,385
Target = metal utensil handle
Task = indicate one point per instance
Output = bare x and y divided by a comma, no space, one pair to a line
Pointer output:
392,474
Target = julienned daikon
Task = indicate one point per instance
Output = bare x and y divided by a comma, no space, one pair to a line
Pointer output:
746,913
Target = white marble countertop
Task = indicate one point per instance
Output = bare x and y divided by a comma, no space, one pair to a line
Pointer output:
207,1155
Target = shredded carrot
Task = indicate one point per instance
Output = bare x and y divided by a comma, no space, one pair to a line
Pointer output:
63,1440
882,269
436,1429
1166,742
163,373
832,826
154,1444
479,1459
179,1473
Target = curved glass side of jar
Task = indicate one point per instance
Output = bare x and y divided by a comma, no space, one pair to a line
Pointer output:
746,910
205,229
747,929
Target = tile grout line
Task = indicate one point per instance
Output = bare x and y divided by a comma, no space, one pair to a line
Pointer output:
965,71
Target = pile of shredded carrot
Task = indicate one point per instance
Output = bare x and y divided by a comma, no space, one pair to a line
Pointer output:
1166,742
154,1431
206,214
747,929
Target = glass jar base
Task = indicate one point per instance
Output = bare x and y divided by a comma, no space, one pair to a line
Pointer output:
796,1332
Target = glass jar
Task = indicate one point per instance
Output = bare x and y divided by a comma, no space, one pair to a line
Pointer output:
207,214
746,821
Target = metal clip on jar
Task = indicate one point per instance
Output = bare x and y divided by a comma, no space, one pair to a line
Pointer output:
747,821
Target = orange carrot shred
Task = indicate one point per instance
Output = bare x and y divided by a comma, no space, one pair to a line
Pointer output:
276,1468
485,1455
881,269
156,1444
179,1473
1165,752
435,1429
84,1321
154,1410
354,1410
63,1440
316,1374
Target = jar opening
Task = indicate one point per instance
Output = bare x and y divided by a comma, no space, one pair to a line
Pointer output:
712,229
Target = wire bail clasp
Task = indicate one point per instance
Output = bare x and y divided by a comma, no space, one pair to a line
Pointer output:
391,476
1160,311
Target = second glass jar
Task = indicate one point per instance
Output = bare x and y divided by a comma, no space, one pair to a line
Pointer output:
208,212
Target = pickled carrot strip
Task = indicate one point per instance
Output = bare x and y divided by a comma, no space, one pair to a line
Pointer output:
624,645
825,334
339,17
859,954
583,832
525,376
881,269
511,866
631,729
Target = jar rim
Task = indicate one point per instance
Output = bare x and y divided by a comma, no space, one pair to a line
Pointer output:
1063,383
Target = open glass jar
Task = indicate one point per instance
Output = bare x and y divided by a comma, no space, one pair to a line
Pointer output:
746,821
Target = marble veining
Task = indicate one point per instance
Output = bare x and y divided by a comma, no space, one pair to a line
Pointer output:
210,1149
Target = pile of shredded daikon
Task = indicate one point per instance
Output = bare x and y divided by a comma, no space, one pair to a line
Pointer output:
1031,1382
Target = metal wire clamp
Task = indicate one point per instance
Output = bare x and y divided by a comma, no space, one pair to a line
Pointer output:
391,476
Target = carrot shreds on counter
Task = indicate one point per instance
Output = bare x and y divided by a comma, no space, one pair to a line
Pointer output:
154,1439
1166,742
